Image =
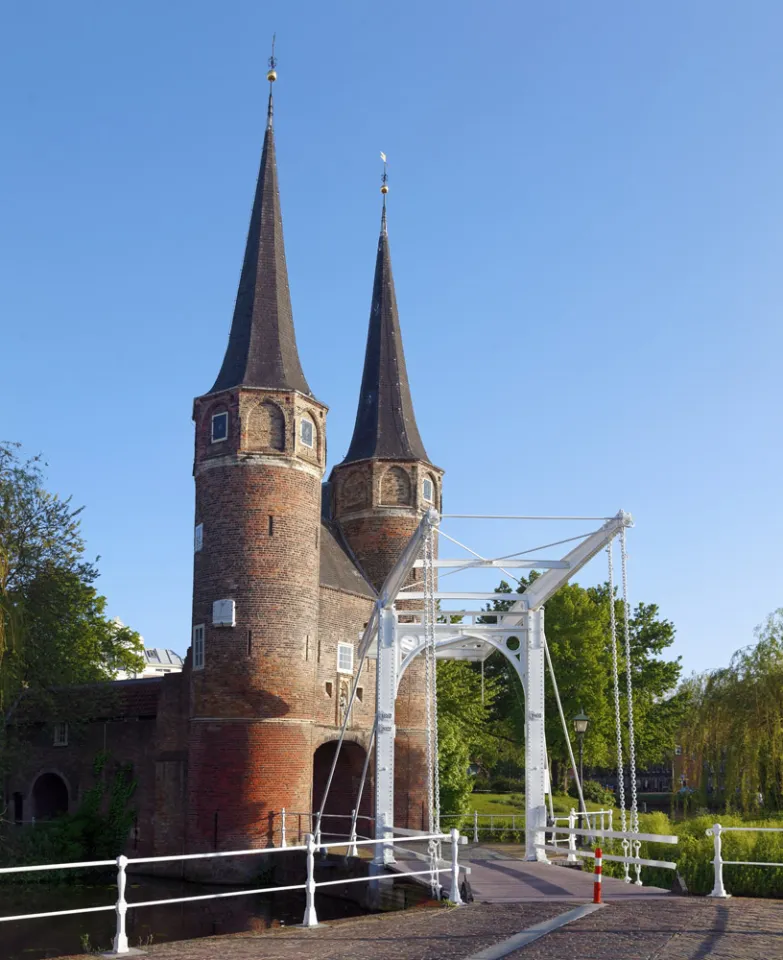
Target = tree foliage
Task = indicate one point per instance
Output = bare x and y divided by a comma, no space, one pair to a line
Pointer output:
578,635
53,625
465,735
732,729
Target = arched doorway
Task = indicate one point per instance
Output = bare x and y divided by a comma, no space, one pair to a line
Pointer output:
50,797
344,789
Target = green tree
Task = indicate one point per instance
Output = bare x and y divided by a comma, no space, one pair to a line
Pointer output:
732,728
53,625
577,631
465,733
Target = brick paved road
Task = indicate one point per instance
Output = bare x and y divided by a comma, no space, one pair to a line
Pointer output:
678,928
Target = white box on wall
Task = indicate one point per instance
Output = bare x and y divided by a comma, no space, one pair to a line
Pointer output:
224,613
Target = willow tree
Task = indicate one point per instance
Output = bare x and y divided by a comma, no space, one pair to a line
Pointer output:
733,729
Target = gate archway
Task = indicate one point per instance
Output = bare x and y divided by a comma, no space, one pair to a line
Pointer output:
344,789
50,796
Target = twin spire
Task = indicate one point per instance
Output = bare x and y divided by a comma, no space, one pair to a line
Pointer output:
262,349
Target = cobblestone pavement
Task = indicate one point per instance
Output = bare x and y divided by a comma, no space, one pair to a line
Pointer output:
680,928
434,933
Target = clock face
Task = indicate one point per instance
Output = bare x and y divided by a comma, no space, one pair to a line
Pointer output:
219,426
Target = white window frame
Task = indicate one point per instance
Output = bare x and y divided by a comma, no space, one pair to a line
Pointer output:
198,646
431,497
343,649
60,734
302,423
213,438
198,537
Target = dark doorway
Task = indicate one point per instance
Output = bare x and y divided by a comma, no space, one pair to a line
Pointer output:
50,797
18,808
344,790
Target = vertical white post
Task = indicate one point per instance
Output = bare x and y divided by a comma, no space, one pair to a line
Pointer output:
282,827
475,826
535,744
121,937
571,838
611,815
454,895
310,916
718,889
352,849
386,687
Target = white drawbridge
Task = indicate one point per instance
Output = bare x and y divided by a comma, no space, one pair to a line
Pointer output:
394,638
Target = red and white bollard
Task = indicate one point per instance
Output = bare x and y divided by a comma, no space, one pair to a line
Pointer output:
597,875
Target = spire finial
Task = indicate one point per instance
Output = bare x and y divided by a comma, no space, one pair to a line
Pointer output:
384,188
271,77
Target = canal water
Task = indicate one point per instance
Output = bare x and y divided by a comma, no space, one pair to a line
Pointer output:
61,936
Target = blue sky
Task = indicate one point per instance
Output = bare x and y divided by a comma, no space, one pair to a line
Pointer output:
585,219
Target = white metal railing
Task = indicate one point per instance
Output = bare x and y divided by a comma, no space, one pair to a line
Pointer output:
502,821
630,841
121,906
314,822
718,863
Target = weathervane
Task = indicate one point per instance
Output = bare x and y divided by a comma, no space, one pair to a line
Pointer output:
384,185
271,77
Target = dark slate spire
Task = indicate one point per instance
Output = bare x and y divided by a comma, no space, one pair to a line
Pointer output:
385,423
261,348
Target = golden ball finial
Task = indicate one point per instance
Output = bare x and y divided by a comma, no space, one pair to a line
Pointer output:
384,189
272,76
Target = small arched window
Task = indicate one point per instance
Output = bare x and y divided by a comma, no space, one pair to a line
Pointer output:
428,490
219,426
307,432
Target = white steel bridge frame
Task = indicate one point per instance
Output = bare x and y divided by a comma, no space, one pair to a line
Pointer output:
518,634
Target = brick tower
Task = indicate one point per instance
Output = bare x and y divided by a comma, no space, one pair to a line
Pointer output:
379,492
259,462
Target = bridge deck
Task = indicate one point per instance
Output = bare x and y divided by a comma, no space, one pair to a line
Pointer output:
499,874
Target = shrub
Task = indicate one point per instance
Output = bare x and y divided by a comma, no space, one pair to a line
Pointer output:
506,785
594,792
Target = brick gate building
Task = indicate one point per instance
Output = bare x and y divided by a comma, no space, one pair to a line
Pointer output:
286,569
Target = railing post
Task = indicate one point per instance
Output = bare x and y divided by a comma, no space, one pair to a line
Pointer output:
475,826
571,858
310,916
718,889
282,827
121,937
491,824
611,815
454,895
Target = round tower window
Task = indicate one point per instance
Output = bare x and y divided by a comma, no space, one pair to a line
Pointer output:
306,432
219,427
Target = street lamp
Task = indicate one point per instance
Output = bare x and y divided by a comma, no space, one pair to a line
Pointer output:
581,722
